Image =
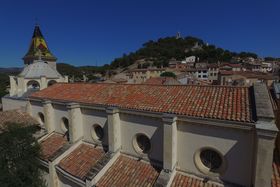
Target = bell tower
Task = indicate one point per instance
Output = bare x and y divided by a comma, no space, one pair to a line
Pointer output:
38,50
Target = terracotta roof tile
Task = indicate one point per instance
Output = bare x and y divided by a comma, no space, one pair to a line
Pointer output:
51,145
129,172
187,181
220,102
15,116
162,81
275,182
79,162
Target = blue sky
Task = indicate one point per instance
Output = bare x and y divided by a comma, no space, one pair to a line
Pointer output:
90,32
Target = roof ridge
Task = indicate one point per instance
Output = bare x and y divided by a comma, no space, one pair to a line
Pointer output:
144,84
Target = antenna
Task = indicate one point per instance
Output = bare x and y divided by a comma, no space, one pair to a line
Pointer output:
178,35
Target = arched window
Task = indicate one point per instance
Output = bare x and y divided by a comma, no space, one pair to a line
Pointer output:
97,132
33,85
65,127
51,82
41,118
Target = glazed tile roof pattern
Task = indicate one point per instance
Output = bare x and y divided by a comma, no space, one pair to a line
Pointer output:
275,182
79,162
220,102
15,116
51,145
187,181
129,172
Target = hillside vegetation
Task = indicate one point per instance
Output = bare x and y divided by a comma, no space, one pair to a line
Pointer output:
153,53
162,50
158,53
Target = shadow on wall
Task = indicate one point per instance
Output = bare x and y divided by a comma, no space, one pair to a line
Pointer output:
145,125
66,182
236,146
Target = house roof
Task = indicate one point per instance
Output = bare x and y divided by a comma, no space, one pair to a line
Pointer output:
162,81
250,74
218,102
39,69
51,145
126,171
145,70
184,180
231,65
79,162
16,116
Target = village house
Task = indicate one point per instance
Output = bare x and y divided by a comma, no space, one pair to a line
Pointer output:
247,78
138,76
231,67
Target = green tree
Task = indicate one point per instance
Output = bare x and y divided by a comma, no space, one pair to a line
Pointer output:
19,164
4,82
168,74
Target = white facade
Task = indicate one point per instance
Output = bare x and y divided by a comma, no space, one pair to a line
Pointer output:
175,140
190,59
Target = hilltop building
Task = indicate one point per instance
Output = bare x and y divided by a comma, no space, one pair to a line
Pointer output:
39,73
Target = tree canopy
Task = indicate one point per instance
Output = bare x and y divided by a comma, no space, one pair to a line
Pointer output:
19,164
168,74
4,82
164,49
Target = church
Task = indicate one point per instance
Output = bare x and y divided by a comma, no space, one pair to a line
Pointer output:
39,72
118,135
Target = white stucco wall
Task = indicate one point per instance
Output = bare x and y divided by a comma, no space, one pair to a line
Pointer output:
36,108
46,177
152,127
65,182
60,111
235,145
12,104
91,117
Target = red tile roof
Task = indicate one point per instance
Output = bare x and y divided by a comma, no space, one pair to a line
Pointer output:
231,65
250,74
275,182
15,116
220,102
162,81
129,172
187,181
51,145
79,162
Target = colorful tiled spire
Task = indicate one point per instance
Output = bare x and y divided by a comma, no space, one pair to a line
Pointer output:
38,48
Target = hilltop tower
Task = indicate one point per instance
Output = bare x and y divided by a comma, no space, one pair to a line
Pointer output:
39,49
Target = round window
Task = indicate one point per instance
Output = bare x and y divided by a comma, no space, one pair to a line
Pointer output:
210,161
64,124
142,143
97,132
41,117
